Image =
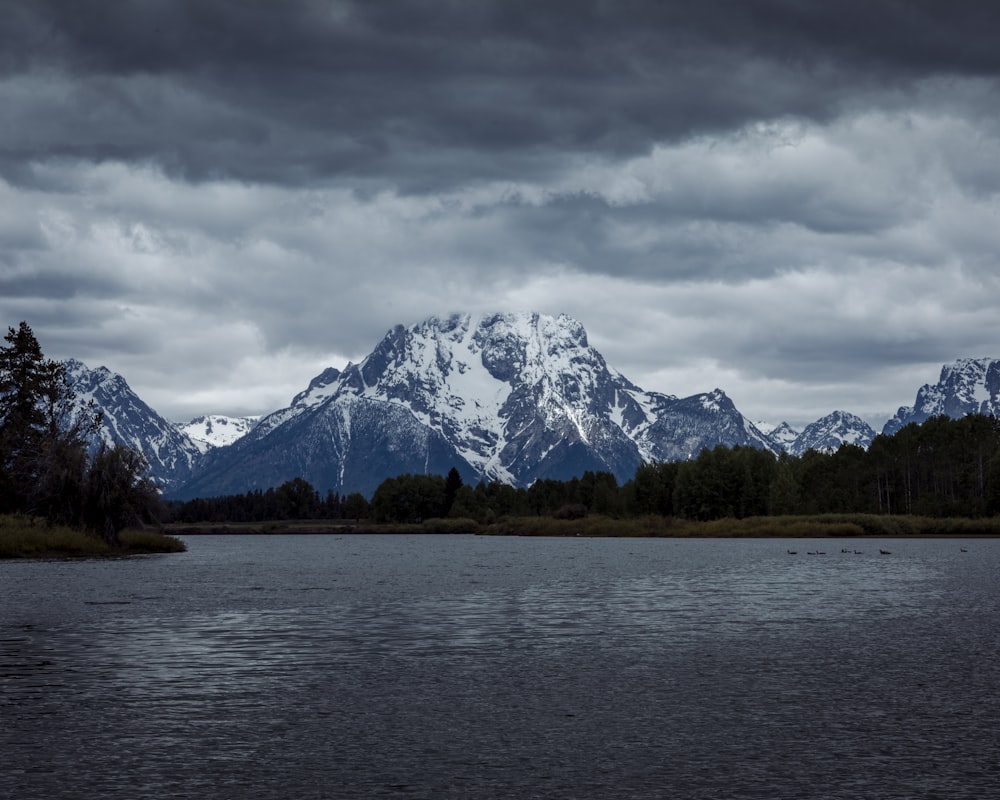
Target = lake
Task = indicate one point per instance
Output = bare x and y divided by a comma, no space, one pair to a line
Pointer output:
480,667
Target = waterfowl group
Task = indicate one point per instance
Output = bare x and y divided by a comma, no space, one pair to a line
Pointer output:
848,550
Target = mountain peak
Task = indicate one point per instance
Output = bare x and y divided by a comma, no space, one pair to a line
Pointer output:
830,432
315,392
216,430
782,435
128,421
966,386
513,397
826,434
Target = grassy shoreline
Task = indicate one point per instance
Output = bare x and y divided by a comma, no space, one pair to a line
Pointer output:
820,526
27,537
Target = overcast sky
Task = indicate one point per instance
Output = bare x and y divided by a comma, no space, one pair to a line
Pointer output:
797,202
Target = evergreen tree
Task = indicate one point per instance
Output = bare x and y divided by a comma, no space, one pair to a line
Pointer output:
43,437
356,506
117,493
469,503
653,488
452,483
44,463
408,498
297,499
783,493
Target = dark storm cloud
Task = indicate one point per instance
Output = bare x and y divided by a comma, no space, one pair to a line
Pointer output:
55,285
681,240
429,94
790,200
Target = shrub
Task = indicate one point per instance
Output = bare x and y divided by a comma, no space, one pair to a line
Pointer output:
450,525
570,511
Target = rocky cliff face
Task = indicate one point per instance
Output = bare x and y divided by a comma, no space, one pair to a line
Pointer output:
967,386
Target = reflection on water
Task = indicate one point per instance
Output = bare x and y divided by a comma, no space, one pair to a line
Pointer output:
477,667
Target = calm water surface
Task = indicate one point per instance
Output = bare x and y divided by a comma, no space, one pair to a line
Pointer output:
471,667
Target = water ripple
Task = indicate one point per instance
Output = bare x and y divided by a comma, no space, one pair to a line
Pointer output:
467,667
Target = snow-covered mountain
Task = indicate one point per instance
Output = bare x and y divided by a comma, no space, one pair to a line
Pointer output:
827,434
966,386
510,397
216,430
782,436
127,420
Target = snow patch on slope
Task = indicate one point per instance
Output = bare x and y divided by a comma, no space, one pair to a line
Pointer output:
216,430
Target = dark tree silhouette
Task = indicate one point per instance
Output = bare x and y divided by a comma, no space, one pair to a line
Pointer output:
452,483
43,436
45,468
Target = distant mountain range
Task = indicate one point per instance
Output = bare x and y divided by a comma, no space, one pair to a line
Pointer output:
508,397
216,430
826,434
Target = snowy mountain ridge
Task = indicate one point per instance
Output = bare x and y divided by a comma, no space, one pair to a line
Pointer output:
509,397
826,435
966,386
483,380
127,420
783,435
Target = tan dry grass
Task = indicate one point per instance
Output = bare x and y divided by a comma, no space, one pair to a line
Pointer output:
22,536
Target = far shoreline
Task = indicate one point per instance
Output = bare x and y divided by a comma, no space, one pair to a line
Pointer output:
847,526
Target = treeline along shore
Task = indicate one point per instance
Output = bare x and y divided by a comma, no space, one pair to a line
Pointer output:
941,477
824,525
61,495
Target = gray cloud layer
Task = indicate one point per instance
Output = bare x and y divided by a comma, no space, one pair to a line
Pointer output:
795,201
421,94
